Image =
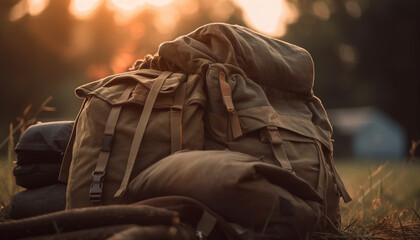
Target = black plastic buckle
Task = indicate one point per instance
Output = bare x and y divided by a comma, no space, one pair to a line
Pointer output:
107,143
95,192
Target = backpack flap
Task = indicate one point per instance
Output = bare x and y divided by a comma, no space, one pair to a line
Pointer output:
111,88
263,59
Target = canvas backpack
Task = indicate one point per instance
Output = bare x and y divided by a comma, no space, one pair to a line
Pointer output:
129,121
260,101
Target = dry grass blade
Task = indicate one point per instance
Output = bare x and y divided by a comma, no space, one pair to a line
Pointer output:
48,109
45,102
24,121
6,140
389,228
377,183
350,225
416,213
11,143
402,228
378,170
412,150
27,109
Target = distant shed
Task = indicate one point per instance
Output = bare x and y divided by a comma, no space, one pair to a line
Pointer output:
368,133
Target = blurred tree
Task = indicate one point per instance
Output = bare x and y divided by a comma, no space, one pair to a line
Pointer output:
365,53
33,53
53,52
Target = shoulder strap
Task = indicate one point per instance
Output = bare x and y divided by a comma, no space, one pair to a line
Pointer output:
95,192
176,118
141,127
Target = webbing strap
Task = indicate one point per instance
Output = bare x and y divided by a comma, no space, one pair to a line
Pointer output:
228,102
206,224
176,118
341,188
95,192
323,178
276,143
141,127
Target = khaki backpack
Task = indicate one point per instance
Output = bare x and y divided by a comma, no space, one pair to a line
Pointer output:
260,101
128,122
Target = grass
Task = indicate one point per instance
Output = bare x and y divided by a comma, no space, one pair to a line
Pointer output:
386,200
8,188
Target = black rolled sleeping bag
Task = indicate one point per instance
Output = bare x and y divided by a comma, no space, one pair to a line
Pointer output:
39,153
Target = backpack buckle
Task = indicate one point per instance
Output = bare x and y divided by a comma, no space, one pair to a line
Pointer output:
107,143
95,192
273,135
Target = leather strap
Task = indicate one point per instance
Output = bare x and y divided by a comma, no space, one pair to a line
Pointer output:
228,102
141,127
95,192
176,118
276,143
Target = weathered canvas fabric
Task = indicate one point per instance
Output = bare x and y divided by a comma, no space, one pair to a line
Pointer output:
179,103
258,196
244,92
260,101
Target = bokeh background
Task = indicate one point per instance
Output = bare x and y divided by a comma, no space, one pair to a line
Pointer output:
366,52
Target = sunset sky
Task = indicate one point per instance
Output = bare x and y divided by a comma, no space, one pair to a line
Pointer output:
270,18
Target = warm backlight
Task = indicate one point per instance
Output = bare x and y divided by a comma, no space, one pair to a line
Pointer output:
83,9
32,7
269,16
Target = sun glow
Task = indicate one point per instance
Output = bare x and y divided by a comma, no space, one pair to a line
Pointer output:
84,9
33,7
269,16
124,10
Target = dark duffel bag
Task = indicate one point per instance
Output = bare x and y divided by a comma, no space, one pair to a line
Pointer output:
40,152
34,202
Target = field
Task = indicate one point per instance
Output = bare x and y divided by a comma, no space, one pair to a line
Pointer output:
386,199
